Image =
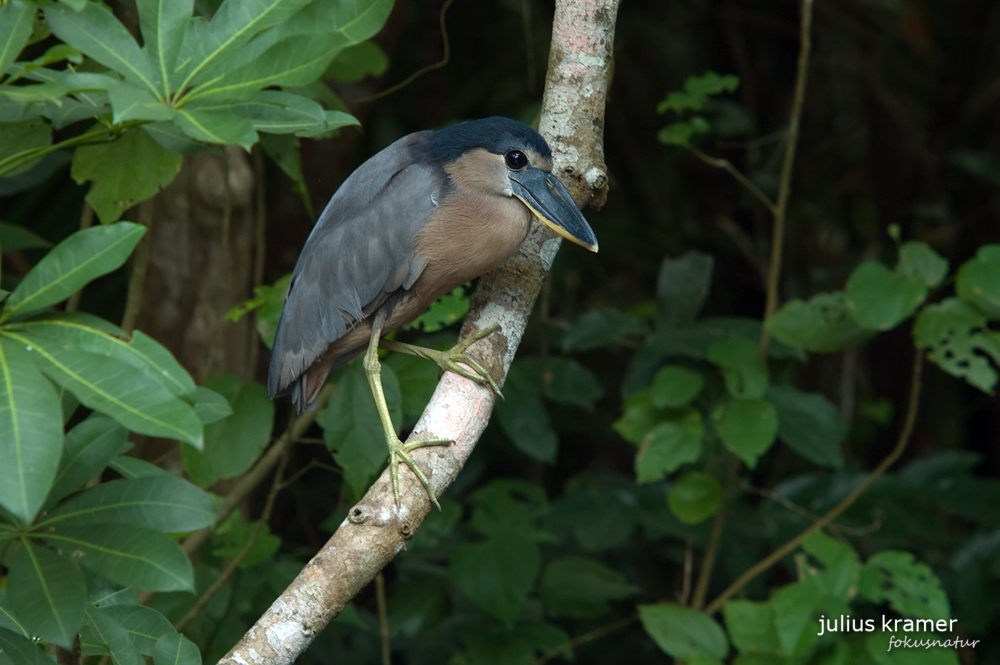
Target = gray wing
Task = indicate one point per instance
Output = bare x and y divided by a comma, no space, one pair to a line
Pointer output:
360,251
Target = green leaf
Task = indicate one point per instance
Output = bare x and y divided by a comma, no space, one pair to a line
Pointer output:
129,103
824,323
351,426
218,127
751,627
175,649
116,389
14,238
579,587
20,650
910,587
133,467
600,328
163,23
127,554
96,32
674,387
523,643
104,635
510,506
747,427
669,445
496,575
566,381
93,335
282,113
684,633
31,434
446,310
170,505
794,621
742,370
211,406
682,287
695,497
809,424
22,137
48,593
118,185
959,341
697,90
88,449
880,299
522,415
978,281
16,19
232,444
207,46
83,256
919,261
841,563
144,625
358,62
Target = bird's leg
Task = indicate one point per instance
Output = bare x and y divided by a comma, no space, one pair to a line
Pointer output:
398,451
449,360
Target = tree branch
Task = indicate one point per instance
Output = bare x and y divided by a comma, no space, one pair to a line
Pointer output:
375,531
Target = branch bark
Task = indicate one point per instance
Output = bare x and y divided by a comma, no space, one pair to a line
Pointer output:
374,532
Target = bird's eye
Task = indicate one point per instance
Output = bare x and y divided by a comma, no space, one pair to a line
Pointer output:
516,160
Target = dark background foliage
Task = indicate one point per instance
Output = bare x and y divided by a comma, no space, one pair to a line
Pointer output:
898,130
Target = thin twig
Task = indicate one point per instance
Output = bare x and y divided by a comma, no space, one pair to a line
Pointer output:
383,618
420,72
252,478
847,502
227,572
589,636
708,561
785,183
727,166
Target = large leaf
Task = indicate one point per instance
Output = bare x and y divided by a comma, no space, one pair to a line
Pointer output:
175,649
170,505
96,32
684,633
15,28
30,432
668,445
23,139
95,335
959,341
682,287
880,299
163,23
128,555
280,112
83,256
144,625
823,323
88,449
117,389
118,185
747,427
234,443
48,592
522,415
497,575
580,587
911,587
104,635
20,650
809,424
207,46
351,426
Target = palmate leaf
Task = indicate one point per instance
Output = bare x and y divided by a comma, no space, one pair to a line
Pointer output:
110,386
48,592
104,635
30,432
163,23
83,256
175,649
127,554
143,625
169,504
96,32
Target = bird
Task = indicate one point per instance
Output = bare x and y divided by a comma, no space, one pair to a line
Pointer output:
427,214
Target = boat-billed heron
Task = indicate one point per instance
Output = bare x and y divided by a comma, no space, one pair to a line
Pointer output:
427,214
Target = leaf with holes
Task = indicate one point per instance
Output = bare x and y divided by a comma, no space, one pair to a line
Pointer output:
959,341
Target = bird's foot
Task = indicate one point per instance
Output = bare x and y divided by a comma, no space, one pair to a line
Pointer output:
454,359
400,452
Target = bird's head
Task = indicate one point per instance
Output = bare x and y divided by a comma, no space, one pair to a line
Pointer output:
508,158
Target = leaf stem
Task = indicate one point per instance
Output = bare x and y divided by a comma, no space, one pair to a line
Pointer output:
847,502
